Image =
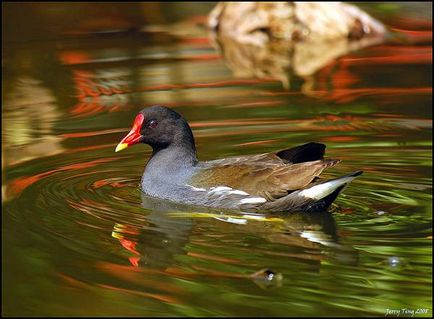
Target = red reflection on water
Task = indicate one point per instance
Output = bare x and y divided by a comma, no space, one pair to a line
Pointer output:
89,148
349,95
411,23
124,269
416,36
348,83
421,58
340,138
264,142
224,83
73,57
344,123
388,115
120,232
346,211
89,90
87,108
344,78
92,133
21,183
129,245
195,40
262,121
104,182
89,164
134,261
256,103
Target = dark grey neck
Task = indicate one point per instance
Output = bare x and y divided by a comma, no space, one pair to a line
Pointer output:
174,156
168,166
180,152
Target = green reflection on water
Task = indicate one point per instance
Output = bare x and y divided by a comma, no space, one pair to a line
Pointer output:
78,238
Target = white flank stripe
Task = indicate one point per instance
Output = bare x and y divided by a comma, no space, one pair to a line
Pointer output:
238,192
220,189
197,189
253,200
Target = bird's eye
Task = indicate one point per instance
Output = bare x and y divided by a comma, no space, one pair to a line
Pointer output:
153,123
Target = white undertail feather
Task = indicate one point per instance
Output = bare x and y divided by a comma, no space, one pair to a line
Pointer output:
226,190
324,189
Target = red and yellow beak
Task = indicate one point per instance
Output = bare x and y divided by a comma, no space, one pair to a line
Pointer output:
133,137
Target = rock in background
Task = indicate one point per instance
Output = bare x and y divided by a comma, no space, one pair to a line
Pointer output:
276,39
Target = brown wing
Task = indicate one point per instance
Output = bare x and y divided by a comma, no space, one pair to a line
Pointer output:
270,175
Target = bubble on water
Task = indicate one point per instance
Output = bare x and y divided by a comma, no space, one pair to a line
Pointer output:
394,261
380,212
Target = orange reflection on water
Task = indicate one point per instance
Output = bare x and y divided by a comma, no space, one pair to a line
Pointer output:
224,83
263,142
416,35
129,245
139,276
74,57
92,133
349,95
72,282
89,88
197,40
262,121
89,148
160,297
104,182
21,183
340,138
346,80
119,232
416,58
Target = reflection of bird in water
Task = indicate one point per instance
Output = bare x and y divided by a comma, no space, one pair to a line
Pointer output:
159,240
170,228
277,39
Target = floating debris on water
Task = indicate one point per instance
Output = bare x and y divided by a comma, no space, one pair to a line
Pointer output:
266,278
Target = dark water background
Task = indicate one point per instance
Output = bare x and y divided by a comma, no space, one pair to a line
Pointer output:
77,236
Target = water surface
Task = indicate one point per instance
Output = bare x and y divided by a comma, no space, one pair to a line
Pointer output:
79,238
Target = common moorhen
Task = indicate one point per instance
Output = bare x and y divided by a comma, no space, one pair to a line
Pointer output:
281,181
